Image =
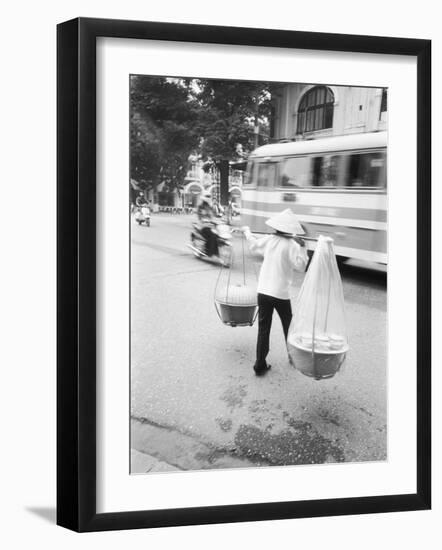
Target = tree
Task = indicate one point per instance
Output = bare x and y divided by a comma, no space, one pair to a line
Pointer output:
174,117
231,113
162,130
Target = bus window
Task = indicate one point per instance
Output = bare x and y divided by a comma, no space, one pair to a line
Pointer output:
377,170
266,174
325,171
367,170
295,172
250,178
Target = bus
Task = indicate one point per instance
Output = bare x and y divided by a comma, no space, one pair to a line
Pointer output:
336,186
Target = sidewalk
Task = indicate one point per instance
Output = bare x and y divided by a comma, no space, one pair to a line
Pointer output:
142,463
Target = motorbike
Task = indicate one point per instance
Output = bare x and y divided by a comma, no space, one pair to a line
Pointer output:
223,236
142,215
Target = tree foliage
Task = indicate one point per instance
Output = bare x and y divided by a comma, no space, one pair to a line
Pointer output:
230,110
172,118
162,130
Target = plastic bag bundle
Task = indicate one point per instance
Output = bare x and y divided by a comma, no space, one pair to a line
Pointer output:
317,340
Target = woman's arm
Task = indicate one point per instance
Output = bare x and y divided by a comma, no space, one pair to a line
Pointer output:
256,244
298,256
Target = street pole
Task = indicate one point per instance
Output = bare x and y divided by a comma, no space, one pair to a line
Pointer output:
256,130
256,127
223,167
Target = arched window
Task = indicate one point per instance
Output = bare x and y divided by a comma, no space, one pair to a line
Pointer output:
315,111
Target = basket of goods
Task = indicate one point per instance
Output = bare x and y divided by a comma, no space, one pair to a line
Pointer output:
236,300
237,306
317,341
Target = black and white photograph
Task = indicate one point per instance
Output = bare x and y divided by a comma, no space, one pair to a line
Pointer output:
258,216
221,318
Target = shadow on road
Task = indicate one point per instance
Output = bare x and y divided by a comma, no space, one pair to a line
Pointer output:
362,273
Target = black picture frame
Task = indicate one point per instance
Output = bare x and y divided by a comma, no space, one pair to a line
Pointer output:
77,287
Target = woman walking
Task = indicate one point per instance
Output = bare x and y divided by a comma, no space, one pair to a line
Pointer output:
283,254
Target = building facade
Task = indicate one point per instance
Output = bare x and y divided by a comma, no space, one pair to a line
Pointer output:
306,111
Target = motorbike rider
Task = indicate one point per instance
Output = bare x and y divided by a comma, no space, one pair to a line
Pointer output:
141,200
204,209
206,216
141,209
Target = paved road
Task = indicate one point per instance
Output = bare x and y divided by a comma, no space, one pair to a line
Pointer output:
196,403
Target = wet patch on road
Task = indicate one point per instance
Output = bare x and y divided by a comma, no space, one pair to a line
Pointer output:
258,405
362,409
261,413
224,423
252,446
185,452
299,444
329,417
234,396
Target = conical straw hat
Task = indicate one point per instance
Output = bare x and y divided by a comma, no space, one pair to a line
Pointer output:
286,222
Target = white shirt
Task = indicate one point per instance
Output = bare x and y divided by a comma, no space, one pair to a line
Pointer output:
282,256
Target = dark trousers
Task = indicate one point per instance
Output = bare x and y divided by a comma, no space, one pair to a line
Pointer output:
266,305
211,241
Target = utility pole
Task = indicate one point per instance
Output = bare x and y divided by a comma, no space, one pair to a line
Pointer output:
256,126
223,167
